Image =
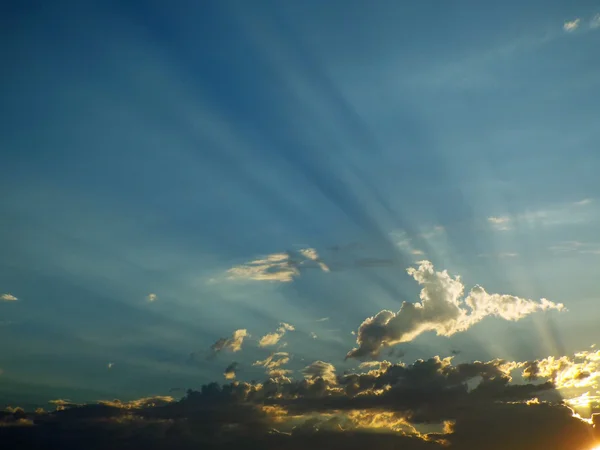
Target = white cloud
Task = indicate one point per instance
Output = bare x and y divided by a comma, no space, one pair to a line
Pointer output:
8,298
500,223
234,343
571,25
151,297
404,243
585,201
442,309
322,319
110,365
595,22
313,335
270,339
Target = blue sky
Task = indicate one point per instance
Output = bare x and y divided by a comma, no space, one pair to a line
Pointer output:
149,149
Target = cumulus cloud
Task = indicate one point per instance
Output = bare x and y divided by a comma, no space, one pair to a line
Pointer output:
571,25
234,343
442,309
271,339
8,298
281,267
230,371
151,297
471,405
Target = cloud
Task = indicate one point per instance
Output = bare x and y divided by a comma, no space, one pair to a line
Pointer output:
110,365
280,267
595,22
320,369
442,309
323,319
234,343
471,405
8,298
151,297
571,25
570,247
500,223
273,364
313,335
273,338
230,370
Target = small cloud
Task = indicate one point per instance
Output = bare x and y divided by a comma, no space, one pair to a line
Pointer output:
595,22
273,338
417,252
500,223
571,25
585,201
229,373
323,319
8,298
508,255
234,343
151,297
110,365
313,335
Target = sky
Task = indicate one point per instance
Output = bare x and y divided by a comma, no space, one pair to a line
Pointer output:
232,192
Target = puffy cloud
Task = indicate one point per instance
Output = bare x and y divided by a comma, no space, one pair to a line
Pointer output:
473,405
571,25
8,298
442,309
320,369
230,370
151,297
580,371
234,343
273,338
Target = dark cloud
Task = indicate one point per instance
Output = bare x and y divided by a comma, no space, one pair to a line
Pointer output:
230,371
475,405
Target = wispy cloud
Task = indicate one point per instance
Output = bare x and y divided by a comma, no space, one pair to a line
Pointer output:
313,335
8,298
570,247
442,309
273,338
273,364
502,223
571,25
281,267
322,319
595,22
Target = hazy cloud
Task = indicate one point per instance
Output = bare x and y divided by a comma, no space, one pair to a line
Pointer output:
273,338
571,25
442,309
500,223
281,267
151,297
595,22
323,319
8,297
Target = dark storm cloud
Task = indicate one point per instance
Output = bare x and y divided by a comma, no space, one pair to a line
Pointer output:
477,404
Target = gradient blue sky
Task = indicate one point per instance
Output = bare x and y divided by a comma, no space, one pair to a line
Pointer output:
148,147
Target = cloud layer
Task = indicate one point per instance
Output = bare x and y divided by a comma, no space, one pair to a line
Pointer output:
442,309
